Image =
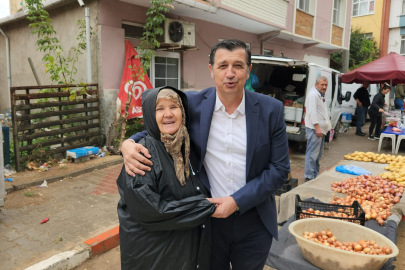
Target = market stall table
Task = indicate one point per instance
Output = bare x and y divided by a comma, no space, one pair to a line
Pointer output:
285,253
389,133
320,188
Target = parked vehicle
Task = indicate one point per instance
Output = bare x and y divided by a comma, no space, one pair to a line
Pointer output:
289,80
351,105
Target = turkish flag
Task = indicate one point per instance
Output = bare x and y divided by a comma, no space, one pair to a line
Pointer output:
131,81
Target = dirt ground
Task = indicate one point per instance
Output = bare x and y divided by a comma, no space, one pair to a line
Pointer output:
29,176
108,261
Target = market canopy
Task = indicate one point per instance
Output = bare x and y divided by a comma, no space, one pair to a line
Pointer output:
384,69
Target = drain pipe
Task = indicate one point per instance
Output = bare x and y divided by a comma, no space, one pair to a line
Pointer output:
8,67
88,45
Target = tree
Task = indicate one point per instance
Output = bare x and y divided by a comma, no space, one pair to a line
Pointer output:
362,51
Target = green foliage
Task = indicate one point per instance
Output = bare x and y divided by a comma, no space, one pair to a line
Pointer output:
153,29
60,68
362,50
134,126
30,194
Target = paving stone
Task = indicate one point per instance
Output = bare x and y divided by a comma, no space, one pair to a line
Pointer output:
17,254
9,221
57,230
24,242
20,226
4,245
7,265
33,232
45,239
12,234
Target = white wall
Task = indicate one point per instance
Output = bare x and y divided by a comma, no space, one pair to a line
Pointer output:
274,11
395,11
323,61
394,42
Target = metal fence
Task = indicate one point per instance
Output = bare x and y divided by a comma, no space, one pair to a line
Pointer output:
46,122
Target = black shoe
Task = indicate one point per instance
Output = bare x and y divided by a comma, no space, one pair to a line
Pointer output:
361,134
371,138
307,180
376,137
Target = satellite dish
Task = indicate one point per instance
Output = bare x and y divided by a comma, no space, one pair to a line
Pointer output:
176,31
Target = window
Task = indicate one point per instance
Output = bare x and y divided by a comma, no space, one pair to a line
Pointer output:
336,11
268,52
363,7
165,70
402,49
403,6
368,35
132,30
303,5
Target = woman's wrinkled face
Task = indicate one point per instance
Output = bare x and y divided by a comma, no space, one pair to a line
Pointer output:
168,116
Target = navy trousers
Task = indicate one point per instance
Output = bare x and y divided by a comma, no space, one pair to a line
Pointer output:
240,241
361,115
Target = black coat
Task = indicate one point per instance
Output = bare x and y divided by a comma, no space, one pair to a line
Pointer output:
378,103
163,225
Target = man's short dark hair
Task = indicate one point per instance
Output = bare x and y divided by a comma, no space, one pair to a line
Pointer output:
230,45
386,86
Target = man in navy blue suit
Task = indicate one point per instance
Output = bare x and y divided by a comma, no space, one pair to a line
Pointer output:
241,142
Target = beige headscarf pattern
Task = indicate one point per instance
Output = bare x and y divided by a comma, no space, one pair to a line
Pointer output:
174,142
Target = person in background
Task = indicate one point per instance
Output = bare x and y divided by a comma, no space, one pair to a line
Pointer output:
317,125
363,102
375,112
399,96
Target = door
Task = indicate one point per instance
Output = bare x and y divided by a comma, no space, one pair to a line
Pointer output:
335,105
328,94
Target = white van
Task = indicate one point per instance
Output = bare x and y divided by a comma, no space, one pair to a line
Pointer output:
351,105
284,79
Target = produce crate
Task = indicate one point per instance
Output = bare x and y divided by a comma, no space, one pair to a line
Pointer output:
355,209
290,184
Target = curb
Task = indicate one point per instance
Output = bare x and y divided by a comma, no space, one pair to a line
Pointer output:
57,178
65,260
91,247
104,242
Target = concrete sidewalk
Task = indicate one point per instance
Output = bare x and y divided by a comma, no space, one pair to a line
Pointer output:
78,209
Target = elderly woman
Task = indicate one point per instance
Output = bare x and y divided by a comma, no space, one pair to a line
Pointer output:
375,112
164,214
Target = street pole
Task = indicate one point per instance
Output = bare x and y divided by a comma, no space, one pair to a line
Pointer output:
345,61
2,188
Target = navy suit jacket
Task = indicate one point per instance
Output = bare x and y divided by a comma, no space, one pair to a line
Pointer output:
267,160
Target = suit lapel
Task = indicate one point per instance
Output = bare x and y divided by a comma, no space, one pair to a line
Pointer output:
252,124
207,109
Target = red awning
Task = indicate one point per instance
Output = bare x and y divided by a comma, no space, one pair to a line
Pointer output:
389,67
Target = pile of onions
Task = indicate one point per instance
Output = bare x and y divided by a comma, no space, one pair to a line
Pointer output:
326,238
340,214
375,194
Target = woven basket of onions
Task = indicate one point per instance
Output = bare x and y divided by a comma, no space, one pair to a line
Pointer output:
334,244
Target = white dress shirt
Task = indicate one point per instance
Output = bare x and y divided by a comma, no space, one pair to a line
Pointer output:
316,111
225,160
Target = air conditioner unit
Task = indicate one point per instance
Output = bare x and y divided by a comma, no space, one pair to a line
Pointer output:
178,33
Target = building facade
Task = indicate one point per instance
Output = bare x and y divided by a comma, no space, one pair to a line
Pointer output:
372,17
396,42
301,29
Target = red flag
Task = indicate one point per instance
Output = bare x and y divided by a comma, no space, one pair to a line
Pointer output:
128,84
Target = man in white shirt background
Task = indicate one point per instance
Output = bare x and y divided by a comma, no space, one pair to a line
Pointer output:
241,142
317,125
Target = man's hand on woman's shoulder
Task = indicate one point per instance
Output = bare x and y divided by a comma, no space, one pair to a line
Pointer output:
135,162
